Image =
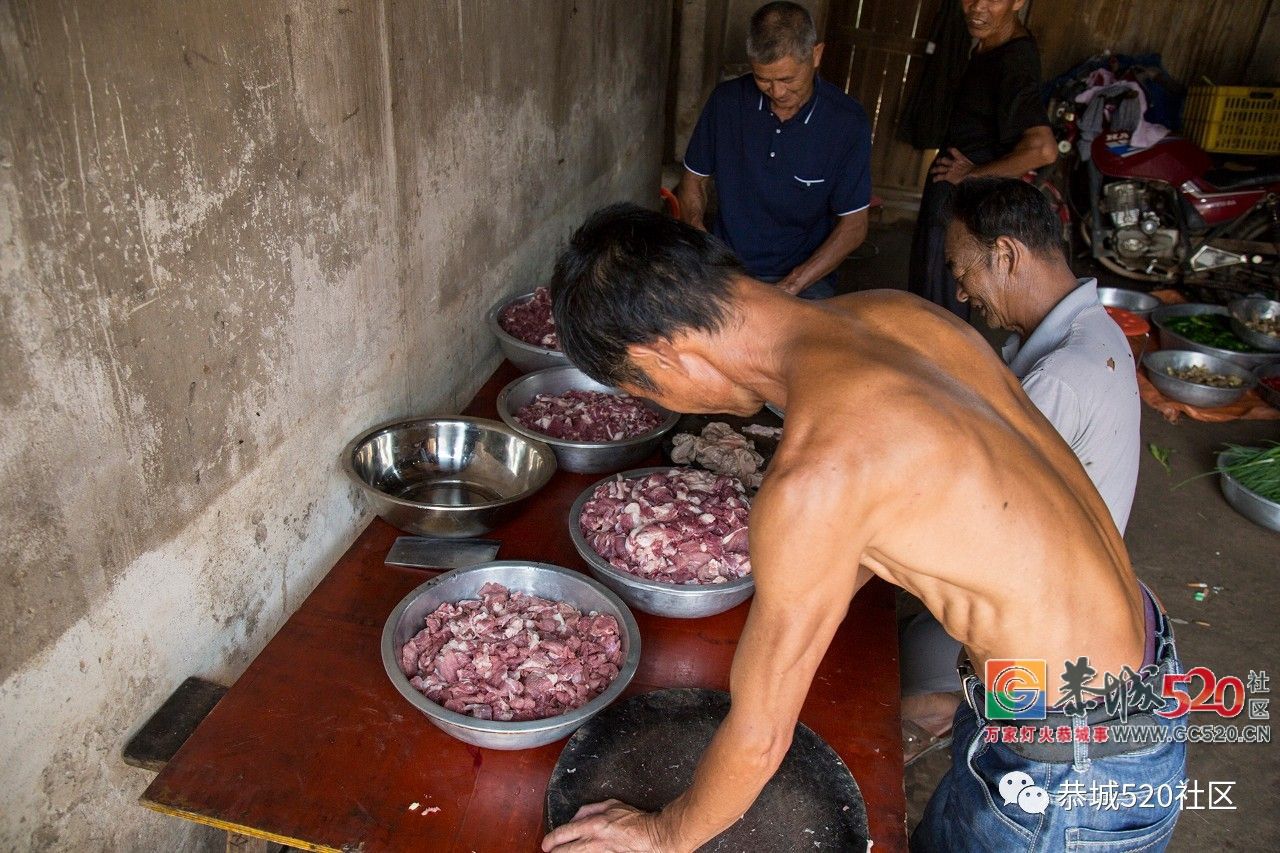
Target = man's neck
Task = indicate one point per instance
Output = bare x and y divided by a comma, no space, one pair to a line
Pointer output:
1045,288
750,349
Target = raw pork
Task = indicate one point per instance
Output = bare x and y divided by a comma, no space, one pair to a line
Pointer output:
588,416
681,526
511,656
722,449
531,321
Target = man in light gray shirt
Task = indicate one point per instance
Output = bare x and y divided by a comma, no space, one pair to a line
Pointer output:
1004,248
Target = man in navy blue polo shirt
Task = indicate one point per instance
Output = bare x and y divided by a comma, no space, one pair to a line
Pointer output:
791,156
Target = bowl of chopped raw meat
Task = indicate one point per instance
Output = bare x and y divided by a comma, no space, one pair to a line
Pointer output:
669,541
591,427
453,477
510,654
526,332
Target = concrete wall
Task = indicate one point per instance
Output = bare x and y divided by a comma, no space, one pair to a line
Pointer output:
232,235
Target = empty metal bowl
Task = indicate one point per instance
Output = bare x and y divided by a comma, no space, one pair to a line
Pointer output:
1133,301
1267,371
1250,504
1172,340
1255,308
447,476
525,356
677,600
583,457
554,583
1194,393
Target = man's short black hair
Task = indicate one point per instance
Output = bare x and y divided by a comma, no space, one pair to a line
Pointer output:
779,30
632,276
1007,207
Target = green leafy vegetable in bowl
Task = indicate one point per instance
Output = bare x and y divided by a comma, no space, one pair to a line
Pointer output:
1255,468
1212,330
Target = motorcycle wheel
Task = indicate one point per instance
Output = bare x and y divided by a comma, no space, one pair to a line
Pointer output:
1118,268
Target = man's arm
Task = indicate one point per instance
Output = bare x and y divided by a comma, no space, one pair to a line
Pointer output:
850,231
692,192
804,554
1035,148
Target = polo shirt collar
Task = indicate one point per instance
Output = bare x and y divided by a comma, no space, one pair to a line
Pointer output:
1052,331
812,104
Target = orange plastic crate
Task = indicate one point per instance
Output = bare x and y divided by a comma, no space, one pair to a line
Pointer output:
1234,119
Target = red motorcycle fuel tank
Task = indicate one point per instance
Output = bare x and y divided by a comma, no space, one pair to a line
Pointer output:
1173,160
1180,163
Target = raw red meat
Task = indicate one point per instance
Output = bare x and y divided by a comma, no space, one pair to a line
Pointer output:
531,321
588,416
511,656
682,526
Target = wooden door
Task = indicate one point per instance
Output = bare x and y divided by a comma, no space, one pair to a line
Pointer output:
874,52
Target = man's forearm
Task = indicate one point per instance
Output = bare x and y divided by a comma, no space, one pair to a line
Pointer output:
848,235
692,193
1032,151
730,776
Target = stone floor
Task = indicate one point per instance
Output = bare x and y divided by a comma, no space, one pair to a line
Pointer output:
1181,531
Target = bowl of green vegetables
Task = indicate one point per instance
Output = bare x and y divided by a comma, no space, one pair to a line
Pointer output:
1206,329
1251,482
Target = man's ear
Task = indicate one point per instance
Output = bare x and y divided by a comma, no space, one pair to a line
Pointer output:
817,54
655,358
1009,255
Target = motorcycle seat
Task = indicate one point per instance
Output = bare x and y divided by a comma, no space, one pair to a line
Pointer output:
1237,179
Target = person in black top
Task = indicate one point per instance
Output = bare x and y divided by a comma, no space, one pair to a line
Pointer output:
998,127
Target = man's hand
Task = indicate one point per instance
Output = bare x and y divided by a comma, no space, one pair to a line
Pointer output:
608,827
793,283
952,166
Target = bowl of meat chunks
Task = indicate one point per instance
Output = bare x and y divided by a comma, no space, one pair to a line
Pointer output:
591,427
526,332
510,654
669,541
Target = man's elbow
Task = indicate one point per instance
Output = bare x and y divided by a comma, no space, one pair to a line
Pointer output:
1046,153
767,751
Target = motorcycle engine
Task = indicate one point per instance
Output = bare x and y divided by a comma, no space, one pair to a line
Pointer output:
1140,229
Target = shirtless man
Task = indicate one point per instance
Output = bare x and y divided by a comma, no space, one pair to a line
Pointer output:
910,453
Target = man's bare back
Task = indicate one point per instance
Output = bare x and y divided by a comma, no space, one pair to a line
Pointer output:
972,501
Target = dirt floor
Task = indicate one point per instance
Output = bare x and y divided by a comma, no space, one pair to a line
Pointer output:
1181,531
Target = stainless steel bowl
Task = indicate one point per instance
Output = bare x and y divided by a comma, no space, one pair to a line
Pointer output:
447,476
583,457
1172,340
1266,372
1133,301
1249,504
679,601
541,579
1254,308
1193,392
526,357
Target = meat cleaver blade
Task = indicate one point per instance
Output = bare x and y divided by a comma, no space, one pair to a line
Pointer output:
427,552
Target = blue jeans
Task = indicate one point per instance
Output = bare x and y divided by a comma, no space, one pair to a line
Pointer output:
969,812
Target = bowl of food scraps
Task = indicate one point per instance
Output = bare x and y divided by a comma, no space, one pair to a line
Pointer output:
1256,321
1196,378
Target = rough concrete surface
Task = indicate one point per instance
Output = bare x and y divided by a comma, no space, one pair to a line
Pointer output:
232,235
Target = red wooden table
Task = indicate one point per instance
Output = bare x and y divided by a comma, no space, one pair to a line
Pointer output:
314,748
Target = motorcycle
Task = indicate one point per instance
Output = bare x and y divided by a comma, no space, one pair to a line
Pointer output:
1168,214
